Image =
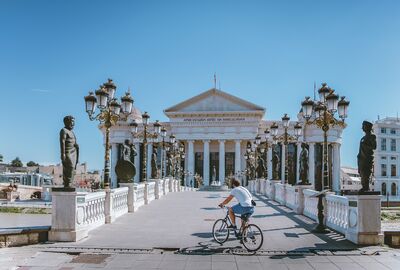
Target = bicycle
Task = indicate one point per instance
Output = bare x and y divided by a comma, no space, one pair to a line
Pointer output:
250,235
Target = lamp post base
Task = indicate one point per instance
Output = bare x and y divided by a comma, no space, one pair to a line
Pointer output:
320,229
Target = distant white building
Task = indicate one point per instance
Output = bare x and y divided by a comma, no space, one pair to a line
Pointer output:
26,178
349,179
386,157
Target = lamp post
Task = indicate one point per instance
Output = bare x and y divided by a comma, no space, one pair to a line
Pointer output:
323,112
110,112
143,136
163,155
285,137
177,153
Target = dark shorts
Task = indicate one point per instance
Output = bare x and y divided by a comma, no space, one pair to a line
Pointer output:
241,210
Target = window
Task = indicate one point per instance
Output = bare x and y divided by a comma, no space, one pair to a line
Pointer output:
393,190
392,131
383,189
392,144
383,130
383,144
383,158
393,170
383,170
392,158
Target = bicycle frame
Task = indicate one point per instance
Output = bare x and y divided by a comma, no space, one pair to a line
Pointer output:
229,222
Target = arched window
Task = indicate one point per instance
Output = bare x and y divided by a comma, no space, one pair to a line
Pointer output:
383,189
393,189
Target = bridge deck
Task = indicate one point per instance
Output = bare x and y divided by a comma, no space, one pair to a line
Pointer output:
185,219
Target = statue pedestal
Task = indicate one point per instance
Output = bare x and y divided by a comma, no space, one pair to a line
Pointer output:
364,226
64,216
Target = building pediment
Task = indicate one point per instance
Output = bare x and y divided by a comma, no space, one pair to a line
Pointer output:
214,101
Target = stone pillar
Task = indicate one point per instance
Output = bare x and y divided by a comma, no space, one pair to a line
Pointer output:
222,161
65,218
237,157
364,220
269,163
298,151
131,195
114,160
283,163
137,163
190,162
311,163
336,168
206,163
148,165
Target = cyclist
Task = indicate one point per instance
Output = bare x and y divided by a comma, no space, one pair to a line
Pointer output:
244,198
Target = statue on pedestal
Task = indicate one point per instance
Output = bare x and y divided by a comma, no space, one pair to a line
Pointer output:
154,168
276,165
365,155
69,151
125,169
261,169
304,165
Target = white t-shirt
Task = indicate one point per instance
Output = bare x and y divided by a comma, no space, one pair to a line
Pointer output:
242,195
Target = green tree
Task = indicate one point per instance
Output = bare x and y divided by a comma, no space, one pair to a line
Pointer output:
32,164
17,162
1,158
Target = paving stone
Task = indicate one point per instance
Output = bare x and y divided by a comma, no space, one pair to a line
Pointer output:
349,266
172,265
223,265
324,266
373,266
299,266
198,265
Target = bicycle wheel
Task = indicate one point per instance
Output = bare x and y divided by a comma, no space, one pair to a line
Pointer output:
252,237
220,231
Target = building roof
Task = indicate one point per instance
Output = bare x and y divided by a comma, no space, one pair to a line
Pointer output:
214,100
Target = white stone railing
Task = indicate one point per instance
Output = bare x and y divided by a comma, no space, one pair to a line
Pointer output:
119,201
290,196
280,190
165,187
270,189
90,210
149,194
252,186
310,204
337,210
139,192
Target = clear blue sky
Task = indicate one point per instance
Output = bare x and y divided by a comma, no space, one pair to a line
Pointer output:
268,52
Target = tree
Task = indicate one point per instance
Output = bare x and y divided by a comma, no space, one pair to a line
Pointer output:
32,164
17,162
1,158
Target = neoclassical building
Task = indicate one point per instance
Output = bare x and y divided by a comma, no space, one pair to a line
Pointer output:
216,128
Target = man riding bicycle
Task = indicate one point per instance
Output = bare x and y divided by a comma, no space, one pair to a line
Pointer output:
244,198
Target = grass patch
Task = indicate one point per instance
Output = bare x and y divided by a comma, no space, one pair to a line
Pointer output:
24,210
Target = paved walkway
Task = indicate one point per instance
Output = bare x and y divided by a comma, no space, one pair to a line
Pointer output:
184,221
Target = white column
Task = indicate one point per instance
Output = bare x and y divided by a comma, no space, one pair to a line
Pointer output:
336,167
137,163
237,157
269,163
148,166
283,163
311,163
298,162
190,162
206,163
222,161
114,160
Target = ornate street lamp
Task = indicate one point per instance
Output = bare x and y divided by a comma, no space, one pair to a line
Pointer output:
143,137
176,151
285,137
323,112
163,156
111,111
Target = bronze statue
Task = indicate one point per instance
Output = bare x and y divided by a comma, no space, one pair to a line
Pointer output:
276,165
365,155
261,169
304,164
154,168
170,166
125,169
69,151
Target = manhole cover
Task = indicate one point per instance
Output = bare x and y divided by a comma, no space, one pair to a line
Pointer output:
90,258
